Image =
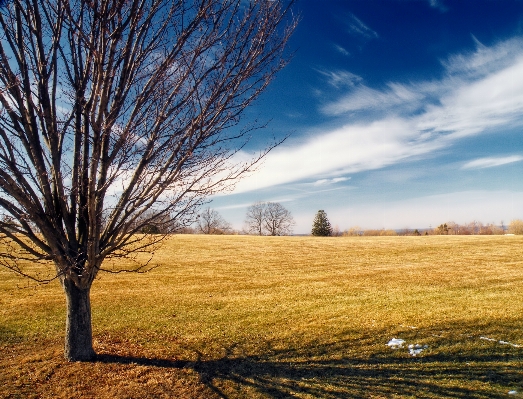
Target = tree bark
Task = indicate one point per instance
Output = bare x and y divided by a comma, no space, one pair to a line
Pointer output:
78,330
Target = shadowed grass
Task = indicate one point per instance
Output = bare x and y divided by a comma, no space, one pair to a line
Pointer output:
263,317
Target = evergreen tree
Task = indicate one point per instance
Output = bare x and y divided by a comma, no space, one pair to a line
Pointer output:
321,225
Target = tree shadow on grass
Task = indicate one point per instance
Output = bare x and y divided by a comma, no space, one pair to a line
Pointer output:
329,374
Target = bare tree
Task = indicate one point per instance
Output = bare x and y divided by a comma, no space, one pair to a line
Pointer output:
516,227
211,222
116,116
277,220
254,218
453,228
353,231
268,218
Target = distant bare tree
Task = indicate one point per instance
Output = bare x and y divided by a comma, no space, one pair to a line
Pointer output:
453,228
353,231
277,220
268,218
496,230
474,227
161,225
254,218
211,222
115,117
516,226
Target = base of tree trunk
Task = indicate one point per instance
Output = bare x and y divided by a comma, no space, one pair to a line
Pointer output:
78,330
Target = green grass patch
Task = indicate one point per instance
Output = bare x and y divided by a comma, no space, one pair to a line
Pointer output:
282,317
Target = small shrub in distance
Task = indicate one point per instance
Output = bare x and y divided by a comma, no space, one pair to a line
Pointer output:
516,227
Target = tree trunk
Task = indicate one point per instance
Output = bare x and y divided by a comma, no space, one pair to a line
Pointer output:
78,331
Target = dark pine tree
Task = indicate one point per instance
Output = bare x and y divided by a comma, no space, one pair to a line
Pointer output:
321,226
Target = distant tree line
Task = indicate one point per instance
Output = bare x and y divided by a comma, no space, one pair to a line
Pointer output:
449,228
273,219
262,218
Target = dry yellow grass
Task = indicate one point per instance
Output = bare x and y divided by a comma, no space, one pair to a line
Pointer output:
278,317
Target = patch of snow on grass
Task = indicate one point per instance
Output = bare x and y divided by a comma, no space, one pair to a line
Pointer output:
509,343
512,392
501,342
487,339
415,350
396,343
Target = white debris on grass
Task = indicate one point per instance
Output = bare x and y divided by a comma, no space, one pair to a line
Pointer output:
501,342
512,392
415,350
509,343
488,339
396,343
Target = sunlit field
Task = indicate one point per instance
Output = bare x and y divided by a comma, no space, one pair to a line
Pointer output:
283,317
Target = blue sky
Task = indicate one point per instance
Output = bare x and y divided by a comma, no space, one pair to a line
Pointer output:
402,114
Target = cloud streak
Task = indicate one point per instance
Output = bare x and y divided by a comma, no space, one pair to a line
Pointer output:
364,98
437,4
340,78
327,182
341,50
491,162
358,28
348,149
480,92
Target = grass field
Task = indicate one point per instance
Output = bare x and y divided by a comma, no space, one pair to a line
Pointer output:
283,317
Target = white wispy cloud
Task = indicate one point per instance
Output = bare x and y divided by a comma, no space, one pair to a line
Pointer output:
341,50
472,107
358,28
365,98
348,149
340,78
493,73
491,162
484,60
438,4
481,91
326,182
